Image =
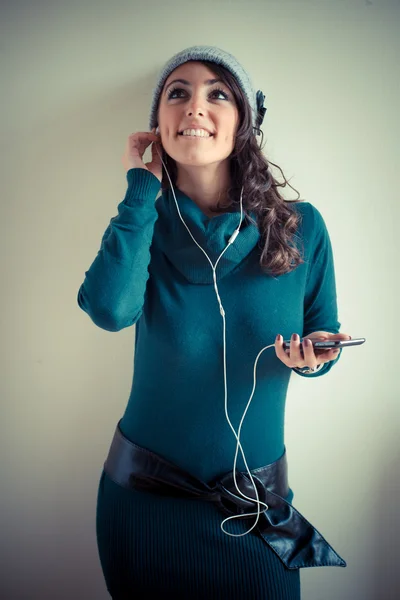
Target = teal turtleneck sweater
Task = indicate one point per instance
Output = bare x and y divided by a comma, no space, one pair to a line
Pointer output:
150,273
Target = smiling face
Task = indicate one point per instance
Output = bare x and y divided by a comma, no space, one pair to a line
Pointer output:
198,102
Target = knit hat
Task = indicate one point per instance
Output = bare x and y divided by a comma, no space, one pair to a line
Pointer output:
220,57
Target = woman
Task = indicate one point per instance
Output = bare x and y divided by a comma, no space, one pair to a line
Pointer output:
209,273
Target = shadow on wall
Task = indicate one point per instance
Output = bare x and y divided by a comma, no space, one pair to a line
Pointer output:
385,527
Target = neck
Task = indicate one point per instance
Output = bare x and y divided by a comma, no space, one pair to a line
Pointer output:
205,185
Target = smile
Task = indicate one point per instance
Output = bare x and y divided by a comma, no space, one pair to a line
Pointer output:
198,133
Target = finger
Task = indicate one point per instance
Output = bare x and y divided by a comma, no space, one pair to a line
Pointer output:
339,336
303,354
310,358
334,352
280,352
295,353
327,355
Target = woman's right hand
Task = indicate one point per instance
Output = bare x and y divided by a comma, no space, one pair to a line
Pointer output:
135,148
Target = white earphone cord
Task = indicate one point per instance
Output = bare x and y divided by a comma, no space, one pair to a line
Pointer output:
221,309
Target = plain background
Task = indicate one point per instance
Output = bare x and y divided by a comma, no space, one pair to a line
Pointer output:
77,80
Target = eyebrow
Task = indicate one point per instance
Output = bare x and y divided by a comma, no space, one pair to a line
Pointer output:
186,82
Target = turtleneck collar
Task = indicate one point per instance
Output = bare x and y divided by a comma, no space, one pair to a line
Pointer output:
212,234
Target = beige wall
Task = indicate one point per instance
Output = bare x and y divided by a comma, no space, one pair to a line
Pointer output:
77,80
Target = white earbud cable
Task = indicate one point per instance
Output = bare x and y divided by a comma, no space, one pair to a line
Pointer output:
231,240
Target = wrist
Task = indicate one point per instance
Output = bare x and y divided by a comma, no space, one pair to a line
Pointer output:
308,370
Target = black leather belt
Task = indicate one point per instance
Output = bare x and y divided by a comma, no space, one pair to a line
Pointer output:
297,543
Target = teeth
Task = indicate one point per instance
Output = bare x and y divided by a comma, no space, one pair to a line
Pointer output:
196,132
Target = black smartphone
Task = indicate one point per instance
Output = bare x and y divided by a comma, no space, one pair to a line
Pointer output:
322,345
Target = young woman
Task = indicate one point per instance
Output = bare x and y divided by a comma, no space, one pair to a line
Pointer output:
210,274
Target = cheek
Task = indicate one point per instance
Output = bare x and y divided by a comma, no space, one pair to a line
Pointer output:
229,138
226,135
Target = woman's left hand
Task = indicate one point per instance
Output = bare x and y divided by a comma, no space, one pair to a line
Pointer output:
293,358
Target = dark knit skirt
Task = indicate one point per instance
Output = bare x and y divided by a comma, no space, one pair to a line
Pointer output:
153,546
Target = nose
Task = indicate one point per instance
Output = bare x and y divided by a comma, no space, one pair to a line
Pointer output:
195,106
191,111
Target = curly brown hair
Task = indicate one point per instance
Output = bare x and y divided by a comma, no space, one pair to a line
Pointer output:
276,220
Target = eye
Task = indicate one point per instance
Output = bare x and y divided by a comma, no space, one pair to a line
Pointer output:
215,90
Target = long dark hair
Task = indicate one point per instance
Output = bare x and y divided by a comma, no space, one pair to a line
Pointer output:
277,221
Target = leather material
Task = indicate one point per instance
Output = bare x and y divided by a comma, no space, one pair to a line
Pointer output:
297,543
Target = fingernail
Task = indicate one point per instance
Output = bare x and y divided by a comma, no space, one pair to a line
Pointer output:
278,337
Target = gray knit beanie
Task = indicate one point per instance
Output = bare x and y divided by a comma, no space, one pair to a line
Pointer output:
213,54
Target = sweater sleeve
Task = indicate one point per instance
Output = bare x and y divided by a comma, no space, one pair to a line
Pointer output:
113,291
320,301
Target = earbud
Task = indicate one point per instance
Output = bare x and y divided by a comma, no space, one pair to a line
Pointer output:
157,130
